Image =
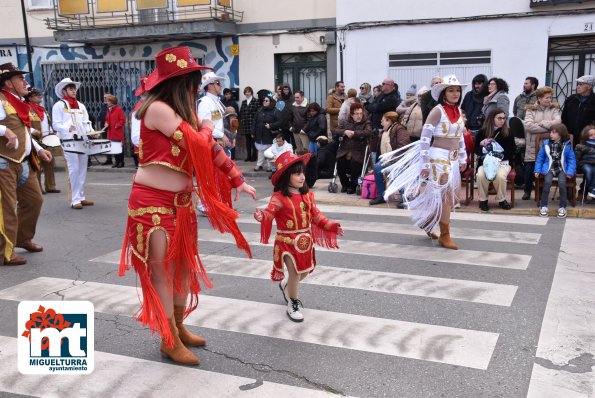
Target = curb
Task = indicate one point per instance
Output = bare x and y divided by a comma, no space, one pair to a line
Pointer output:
572,212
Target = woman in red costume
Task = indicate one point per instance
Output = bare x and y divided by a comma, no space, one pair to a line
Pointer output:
299,225
161,236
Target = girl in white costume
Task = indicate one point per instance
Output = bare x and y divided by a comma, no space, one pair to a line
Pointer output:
437,166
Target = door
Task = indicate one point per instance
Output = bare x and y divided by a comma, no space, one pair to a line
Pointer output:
568,59
305,72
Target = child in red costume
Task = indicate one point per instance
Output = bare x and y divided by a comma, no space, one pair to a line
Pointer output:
299,225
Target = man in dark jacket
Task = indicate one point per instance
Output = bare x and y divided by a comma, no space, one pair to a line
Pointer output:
473,102
579,108
229,101
298,120
387,101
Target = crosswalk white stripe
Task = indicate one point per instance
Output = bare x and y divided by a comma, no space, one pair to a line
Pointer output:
394,250
392,212
122,376
385,282
409,229
442,344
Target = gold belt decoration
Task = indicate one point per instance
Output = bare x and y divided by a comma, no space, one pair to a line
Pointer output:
183,199
150,210
295,231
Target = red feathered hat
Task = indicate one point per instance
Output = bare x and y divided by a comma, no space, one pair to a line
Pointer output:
285,160
172,62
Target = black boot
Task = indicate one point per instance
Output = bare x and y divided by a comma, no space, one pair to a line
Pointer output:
108,160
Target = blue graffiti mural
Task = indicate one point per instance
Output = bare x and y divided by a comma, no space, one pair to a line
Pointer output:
216,52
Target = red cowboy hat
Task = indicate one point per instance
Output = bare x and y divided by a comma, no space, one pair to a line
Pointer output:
141,89
173,62
285,160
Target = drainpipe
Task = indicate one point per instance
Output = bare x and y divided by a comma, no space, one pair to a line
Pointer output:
27,43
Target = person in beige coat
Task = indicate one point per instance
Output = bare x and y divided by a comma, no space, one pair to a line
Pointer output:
539,118
413,117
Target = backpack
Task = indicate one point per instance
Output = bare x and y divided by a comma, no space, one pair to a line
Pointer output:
369,187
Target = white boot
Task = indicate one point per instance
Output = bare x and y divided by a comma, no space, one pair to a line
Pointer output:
294,307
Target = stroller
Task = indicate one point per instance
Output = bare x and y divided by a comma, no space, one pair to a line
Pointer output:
332,186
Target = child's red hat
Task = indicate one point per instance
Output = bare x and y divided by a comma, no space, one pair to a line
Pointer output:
285,160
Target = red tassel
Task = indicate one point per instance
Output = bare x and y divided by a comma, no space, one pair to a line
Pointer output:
266,226
221,216
151,312
276,276
325,238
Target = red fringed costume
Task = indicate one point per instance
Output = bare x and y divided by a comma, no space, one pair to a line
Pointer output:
299,225
151,209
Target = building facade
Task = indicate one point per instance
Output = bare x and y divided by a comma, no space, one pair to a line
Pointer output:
552,40
260,44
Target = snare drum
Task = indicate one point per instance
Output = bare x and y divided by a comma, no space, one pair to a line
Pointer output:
50,141
74,146
116,148
98,146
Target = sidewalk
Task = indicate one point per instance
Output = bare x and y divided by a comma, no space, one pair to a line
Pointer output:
522,207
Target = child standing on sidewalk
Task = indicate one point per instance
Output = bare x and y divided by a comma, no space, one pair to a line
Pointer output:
555,159
299,225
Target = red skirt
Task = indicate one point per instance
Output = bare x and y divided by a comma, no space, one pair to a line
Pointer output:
150,210
297,245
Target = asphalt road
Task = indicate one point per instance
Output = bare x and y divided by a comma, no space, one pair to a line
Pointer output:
390,315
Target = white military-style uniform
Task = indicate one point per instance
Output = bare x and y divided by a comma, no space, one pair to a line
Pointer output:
210,107
62,119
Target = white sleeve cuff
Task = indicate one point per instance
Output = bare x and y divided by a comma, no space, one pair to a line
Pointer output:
36,146
2,130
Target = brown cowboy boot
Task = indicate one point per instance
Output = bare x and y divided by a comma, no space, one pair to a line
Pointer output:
186,335
178,353
444,239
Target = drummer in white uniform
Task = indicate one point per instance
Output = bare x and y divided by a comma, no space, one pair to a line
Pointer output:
40,119
71,121
210,107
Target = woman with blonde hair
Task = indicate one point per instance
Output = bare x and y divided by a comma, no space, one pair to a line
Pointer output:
539,118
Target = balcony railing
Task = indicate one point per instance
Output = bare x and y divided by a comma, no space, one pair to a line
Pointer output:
95,14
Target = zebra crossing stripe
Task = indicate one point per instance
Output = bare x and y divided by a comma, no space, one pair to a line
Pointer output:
385,282
409,229
122,376
441,344
460,216
394,250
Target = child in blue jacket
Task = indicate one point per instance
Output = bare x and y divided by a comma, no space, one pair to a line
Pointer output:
555,159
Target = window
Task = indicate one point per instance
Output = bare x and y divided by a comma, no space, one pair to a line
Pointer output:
419,68
440,58
40,4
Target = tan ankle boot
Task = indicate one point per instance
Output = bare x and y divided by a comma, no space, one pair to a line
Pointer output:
444,239
186,335
178,353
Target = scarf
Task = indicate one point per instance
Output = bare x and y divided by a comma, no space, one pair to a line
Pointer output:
20,106
489,97
72,102
38,109
452,111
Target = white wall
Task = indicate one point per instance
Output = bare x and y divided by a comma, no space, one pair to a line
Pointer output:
519,46
349,11
257,56
284,10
